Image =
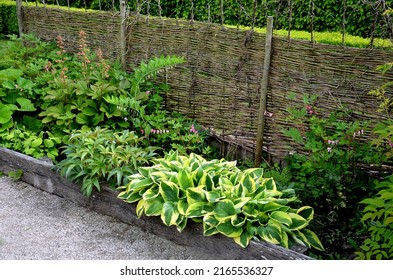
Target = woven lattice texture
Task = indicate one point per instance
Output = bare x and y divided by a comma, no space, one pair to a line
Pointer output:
219,85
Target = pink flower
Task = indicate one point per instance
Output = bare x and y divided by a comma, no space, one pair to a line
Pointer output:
329,149
148,92
142,131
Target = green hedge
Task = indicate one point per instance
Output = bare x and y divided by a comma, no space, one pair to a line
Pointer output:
8,19
328,14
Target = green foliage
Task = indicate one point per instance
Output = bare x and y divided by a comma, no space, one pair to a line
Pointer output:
238,204
325,167
15,175
103,155
378,217
48,94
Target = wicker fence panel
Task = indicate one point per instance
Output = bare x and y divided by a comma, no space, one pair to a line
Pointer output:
102,29
219,85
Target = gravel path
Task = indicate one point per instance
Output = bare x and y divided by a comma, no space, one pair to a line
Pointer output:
35,225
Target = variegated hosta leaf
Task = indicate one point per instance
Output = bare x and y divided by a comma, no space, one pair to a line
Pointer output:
207,181
249,185
185,180
229,230
140,207
181,223
270,233
224,210
169,214
169,191
182,207
138,185
298,222
151,193
306,212
195,195
214,196
244,239
153,207
196,210
209,230
130,197
281,217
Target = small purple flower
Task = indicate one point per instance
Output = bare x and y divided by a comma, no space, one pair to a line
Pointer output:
329,149
148,92
142,131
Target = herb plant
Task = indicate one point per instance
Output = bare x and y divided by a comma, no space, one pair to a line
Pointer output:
103,156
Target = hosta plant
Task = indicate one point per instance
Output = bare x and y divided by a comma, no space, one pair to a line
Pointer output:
103,155
239,204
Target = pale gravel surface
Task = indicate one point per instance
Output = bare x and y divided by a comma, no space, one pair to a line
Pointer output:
35,225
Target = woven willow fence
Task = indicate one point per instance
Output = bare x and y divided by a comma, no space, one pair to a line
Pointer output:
220,84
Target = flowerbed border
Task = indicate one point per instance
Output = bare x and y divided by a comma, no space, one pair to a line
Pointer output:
41,175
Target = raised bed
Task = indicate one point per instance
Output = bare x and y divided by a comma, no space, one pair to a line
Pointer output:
41,175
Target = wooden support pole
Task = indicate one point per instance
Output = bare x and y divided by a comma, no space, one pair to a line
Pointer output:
19,16
263,97
123,27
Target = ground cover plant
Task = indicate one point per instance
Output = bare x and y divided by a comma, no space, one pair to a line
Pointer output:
239,204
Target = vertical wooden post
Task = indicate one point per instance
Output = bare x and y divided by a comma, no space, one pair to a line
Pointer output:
19,16
263,97
123,42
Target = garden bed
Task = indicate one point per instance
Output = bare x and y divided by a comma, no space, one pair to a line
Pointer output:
41,175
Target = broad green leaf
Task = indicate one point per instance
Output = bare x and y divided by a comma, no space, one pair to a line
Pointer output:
229,230
140,207
206,180
154,207
244,239
272,206
138,185
313,239
185,180
306,212
182,207
49,143
224,209
209,230
144,171
169,191
249,184
5,114
298,222
133,197
169,214
281,217
196,210
240,202
25,105
214,196
37,142
181,223
379,202
195,195
210,220
270,234
237,221
151,193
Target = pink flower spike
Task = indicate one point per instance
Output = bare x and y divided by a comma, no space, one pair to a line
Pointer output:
142,131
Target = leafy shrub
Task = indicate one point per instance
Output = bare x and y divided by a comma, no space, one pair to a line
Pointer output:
8,20
103,155
238,204
378,216
325,158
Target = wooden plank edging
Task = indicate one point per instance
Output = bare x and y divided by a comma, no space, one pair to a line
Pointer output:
41,175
